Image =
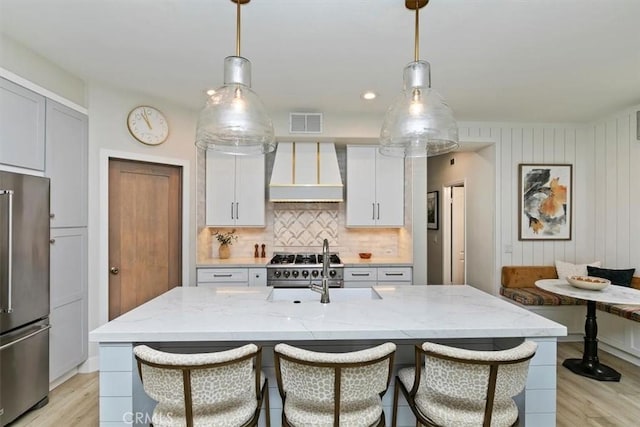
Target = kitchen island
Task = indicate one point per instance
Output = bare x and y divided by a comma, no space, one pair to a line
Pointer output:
211,319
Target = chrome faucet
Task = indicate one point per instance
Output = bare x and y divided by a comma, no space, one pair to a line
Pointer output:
323,288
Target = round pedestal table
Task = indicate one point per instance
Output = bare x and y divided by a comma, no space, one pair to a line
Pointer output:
590,366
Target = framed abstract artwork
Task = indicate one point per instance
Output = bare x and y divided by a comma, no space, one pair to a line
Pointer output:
545,202
432,210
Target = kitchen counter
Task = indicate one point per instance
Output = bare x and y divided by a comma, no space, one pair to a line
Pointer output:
353,261
376,262
248,262
244,314
211,319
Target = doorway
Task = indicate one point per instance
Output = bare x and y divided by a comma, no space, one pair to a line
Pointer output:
145,232
454,234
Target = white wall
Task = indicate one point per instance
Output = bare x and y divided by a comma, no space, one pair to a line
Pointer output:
31,66
606,198
613,182
108,133
476,170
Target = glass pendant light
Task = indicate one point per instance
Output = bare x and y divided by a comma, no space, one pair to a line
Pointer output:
234,120
419,123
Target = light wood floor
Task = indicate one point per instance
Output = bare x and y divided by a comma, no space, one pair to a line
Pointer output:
582,402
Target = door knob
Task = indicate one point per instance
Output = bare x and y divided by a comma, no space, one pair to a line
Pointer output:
115,270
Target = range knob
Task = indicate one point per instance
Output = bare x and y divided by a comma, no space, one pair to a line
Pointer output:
277,273
295,273
305,273
314,273
332,273
287,273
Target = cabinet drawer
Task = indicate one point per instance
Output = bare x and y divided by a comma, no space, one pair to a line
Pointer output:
223,275
394,274
360,274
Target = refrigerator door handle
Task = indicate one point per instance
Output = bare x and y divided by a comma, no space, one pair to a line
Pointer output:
9,308
34,333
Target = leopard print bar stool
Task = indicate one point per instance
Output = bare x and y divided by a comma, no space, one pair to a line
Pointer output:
464,388
333,389
219,389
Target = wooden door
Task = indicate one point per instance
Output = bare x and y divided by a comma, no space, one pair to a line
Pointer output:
145,232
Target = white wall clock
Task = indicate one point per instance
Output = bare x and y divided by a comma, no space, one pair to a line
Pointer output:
148,125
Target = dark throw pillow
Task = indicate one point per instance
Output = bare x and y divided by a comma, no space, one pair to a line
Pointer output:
617,277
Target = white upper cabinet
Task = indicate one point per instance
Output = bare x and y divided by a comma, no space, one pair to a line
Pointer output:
375,188
22,126
235,190
67,165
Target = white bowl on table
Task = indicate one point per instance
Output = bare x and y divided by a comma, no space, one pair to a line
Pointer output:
588,282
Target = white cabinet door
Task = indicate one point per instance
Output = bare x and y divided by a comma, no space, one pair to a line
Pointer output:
220,189
257,277
361,176
389,191
22,126
375,188
250,191
67,165
235,190
68,278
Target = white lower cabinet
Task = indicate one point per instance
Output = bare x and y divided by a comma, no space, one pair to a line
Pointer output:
258,276
365,277
68,276
223,277
360,277
231,276
401,275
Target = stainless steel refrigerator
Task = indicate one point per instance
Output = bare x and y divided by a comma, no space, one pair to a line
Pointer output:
24,294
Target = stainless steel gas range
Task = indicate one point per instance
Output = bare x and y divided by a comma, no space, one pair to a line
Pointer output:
290,270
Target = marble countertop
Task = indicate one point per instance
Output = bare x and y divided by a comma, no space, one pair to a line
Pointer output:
245,314
612,294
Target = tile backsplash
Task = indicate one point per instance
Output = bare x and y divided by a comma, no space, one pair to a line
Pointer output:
304,226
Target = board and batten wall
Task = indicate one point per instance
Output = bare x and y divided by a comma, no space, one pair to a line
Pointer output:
605,156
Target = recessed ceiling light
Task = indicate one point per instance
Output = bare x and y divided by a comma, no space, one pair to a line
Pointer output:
211,92
369,95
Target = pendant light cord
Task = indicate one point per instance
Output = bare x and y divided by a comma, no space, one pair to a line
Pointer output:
416,53
238,28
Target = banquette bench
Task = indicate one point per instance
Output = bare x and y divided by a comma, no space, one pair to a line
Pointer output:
618,324
518,284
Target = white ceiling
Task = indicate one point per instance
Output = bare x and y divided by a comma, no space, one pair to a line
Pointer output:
507,60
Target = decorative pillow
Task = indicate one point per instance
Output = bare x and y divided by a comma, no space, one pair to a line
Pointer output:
617,277
565,269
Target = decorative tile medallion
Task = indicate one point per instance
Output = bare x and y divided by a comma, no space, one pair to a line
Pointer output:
304,227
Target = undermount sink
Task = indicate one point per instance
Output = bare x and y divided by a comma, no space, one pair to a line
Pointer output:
335,294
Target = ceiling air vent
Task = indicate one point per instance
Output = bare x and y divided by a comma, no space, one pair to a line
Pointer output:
305,122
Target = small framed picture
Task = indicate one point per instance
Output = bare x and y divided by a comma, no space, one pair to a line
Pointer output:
545,202
432,210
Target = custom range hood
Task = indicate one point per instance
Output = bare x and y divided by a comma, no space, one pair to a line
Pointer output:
305,172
